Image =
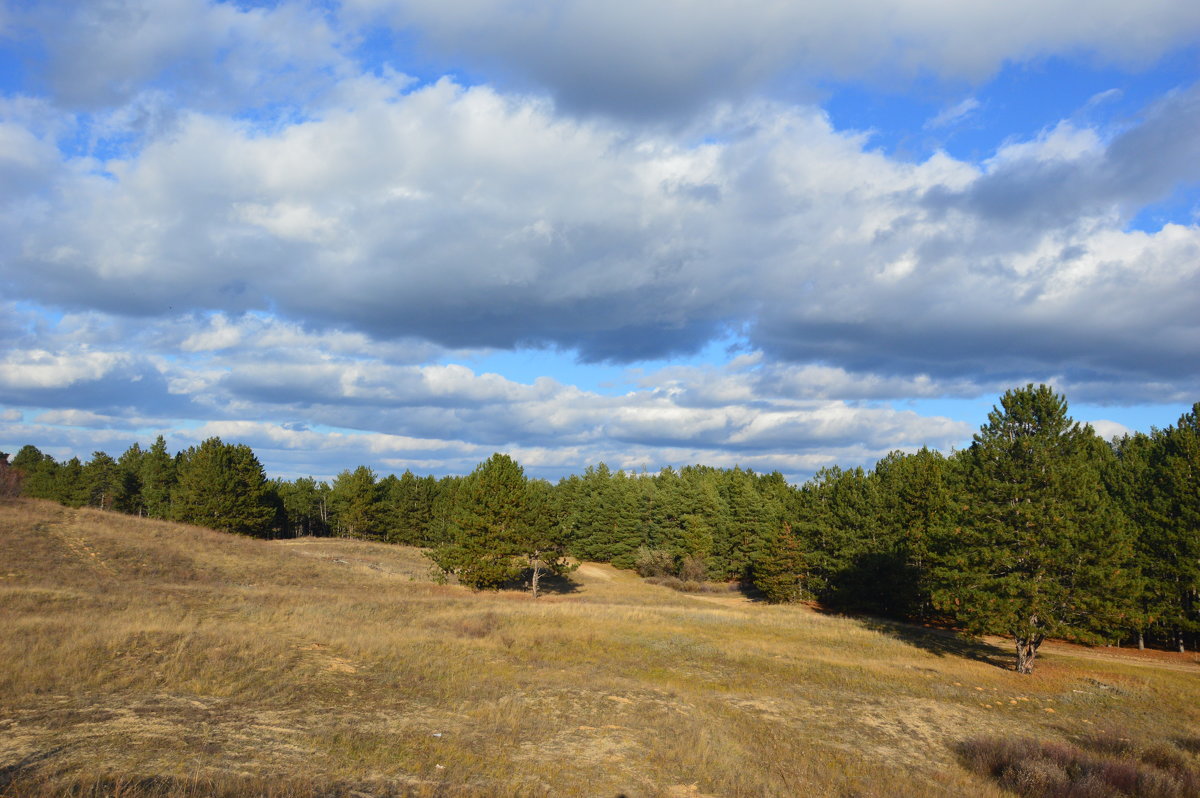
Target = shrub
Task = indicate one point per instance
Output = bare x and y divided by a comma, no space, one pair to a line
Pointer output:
1113,767
655,563
692,568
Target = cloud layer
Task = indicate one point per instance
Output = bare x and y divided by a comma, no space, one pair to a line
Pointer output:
247,219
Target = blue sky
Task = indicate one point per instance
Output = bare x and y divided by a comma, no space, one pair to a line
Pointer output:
407,233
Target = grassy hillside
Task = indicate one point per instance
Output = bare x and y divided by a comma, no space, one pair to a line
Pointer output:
148,658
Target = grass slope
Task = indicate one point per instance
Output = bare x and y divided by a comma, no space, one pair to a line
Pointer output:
149,658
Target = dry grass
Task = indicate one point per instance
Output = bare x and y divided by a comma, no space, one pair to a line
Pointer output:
145,658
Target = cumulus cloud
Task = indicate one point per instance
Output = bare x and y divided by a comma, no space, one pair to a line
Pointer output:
212,214
469,218
660,58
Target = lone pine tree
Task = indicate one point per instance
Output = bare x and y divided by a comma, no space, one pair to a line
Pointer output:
1041,549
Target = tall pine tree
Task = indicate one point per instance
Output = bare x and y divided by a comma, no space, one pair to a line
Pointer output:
1041,550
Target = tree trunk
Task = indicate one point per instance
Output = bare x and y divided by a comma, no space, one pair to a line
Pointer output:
1141,640
537,575
1026,652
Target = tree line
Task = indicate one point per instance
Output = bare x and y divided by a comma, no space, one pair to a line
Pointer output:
1039,528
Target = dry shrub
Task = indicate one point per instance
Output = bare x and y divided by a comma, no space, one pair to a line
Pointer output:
654,563
691,586
693,569
1113,767
10,480
477,626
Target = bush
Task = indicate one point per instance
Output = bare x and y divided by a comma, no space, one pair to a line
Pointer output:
10,479
655,563
1113,767
692,568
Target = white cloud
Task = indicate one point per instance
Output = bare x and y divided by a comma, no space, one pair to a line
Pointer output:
41,369
470,218
246,233
953,114
1109,429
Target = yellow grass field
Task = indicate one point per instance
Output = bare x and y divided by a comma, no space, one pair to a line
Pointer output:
147,658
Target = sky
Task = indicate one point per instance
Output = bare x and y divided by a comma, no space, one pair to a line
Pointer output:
410,233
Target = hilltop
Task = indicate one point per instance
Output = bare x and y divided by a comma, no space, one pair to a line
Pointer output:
152,658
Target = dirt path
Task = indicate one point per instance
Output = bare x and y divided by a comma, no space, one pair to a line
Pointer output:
594,572
727,601
66,528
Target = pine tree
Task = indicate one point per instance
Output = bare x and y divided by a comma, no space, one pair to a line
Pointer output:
39,472
916,507
102,481
780,570
70,488
1129,484
409,501
747,523
355,504
489,512
1041,549
1173,528
129,490
158,479
303,506
540,540
222,486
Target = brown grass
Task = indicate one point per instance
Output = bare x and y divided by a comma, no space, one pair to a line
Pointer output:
145,658
1102,766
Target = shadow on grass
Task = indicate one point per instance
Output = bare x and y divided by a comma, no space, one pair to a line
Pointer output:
10,773
550,584
943,642
557,584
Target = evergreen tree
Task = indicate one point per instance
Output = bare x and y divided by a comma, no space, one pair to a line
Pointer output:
1129,484
916,507
158,479
70,488
39,471
129,488
222,486
540,541
1172,531
780,570
102,481
409,500
491,511
748,523
354,502
445,498
1042,549
304,506
838,525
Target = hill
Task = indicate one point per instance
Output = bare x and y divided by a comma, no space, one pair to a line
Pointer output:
149,658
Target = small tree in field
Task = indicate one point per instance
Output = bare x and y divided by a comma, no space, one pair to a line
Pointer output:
501,526
1042,550
489,510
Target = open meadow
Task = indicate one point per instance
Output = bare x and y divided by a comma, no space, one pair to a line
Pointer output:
150,658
